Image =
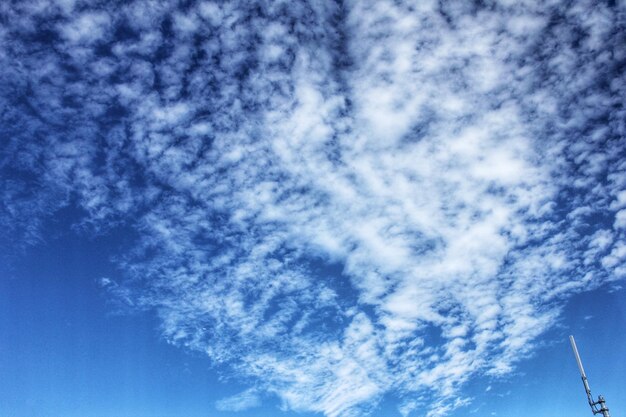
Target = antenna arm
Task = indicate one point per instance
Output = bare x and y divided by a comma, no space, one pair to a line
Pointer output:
593,404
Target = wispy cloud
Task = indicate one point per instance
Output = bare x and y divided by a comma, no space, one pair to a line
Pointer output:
240,402
339,200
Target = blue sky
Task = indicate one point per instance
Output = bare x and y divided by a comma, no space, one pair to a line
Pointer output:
335,209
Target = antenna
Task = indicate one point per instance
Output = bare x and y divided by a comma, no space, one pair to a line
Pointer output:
593,404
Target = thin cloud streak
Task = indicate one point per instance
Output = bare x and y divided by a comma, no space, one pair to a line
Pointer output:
239,402
339,201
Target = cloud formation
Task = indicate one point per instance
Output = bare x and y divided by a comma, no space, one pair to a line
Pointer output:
340,201
240,402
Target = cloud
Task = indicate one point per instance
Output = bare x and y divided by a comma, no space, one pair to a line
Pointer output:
87,28
341,202
239,402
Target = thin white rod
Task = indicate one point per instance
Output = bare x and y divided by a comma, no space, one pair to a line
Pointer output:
580,364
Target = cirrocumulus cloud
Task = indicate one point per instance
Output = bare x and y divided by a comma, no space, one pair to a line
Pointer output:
337,200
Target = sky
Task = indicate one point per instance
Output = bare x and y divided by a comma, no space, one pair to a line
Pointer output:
323,208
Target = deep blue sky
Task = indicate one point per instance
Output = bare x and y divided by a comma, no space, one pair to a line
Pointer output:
321,208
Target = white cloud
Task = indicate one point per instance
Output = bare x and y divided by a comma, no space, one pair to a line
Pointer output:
86,27
240,402
620,219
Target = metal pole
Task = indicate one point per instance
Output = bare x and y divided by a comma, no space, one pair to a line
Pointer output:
578,361
593,404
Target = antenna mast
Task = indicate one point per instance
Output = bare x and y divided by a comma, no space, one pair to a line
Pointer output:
593,404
